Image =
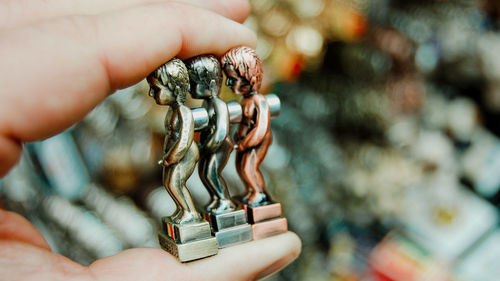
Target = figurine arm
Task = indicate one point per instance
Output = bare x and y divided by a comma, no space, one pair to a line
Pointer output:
258,132
220,126
185,138
167,144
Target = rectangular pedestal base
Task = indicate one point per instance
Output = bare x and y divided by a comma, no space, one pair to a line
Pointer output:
226,220
268,228
191,250
234,235
264,212
186,232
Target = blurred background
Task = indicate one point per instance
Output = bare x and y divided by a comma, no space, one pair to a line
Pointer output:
386,154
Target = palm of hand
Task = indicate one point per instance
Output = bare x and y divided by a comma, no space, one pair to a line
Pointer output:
25,255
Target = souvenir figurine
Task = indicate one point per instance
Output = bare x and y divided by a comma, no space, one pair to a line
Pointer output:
228,222
185,233
243,70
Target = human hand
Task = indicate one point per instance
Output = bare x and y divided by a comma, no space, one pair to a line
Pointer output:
59,60
24,255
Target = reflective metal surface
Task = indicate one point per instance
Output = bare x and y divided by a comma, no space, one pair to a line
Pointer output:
274,104
268,228
262,213
234,235
235,113
230,228
200,114
169,86
243,69
227,220
215,144
200,117
190,251
185,234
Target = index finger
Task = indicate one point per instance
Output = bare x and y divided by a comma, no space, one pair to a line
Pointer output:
54,73
21,12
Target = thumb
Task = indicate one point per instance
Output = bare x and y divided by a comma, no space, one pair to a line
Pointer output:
250,261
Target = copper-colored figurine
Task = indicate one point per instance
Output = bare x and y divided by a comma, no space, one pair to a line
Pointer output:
244,76
228,223
185,234
244,73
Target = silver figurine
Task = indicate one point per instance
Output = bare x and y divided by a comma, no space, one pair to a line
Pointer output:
228,223
205,76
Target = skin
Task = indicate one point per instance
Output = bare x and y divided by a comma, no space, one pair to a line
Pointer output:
216,147
254,137
58,62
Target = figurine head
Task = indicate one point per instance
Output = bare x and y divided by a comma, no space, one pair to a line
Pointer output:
205,75
169,83
243,69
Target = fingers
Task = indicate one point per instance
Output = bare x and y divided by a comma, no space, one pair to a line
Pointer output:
54,73
14,227
20,261
250,261
10,151
21,12
140,264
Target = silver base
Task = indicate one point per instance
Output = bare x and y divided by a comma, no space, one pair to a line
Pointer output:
226,220
230,228
234,235
187,242
183,233
189,251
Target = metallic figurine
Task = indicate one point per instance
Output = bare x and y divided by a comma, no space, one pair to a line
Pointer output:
205,75
228,224
185,230
201,119
244,73
243,69
169,86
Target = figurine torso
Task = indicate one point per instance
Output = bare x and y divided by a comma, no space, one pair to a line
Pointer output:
171,130
212,138
174,127
256,115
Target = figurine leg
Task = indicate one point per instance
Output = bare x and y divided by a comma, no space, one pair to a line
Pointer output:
253,177
179,174
202,172
250,167
222,156
210,171
239,169
166,179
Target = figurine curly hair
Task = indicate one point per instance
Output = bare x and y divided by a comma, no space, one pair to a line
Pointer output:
247,63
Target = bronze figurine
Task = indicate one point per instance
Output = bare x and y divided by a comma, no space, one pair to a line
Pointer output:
169,86
185,234
243,69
